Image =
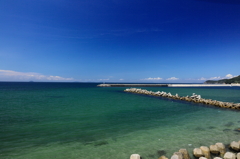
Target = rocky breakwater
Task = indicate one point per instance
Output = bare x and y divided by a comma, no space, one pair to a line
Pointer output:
217,151
194,98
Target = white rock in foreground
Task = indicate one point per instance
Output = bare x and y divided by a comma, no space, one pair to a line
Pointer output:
235,145
222,148
229,155
184,153
198,152
206,152
135,156
214,149
163,157
175,157
238,155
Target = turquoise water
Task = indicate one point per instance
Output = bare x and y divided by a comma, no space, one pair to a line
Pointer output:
75,120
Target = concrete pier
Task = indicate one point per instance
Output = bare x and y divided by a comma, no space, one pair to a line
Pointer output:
168,85
132,85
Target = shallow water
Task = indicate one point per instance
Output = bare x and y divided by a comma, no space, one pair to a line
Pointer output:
74,120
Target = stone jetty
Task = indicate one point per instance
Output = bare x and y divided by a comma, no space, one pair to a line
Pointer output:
217,151
194,98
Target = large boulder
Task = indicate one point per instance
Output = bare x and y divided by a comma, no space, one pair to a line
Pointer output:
206,152
197,152
238,155
229,155
217,158
175,156
214,149
135,156
179,154
163,157
235,146
184,153
222,148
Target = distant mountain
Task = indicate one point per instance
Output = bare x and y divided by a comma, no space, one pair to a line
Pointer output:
222,81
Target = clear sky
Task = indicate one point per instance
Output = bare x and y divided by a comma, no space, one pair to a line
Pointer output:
119,40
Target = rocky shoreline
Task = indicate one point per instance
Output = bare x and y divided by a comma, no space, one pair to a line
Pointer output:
194,98
217,151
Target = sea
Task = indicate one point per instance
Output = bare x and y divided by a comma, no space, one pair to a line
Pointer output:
83,121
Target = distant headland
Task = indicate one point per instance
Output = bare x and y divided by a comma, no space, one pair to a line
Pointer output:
233,80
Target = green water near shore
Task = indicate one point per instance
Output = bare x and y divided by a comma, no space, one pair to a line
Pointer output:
73,120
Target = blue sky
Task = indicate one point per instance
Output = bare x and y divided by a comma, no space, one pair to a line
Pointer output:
119,41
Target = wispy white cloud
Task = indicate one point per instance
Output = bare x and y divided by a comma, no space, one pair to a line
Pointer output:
202,79
229,76
217,77
150,78
173,78
107,79
121,79
9,75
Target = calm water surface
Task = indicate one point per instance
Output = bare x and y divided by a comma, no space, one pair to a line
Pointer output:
75,120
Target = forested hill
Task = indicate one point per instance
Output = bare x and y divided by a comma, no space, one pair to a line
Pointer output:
222,81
